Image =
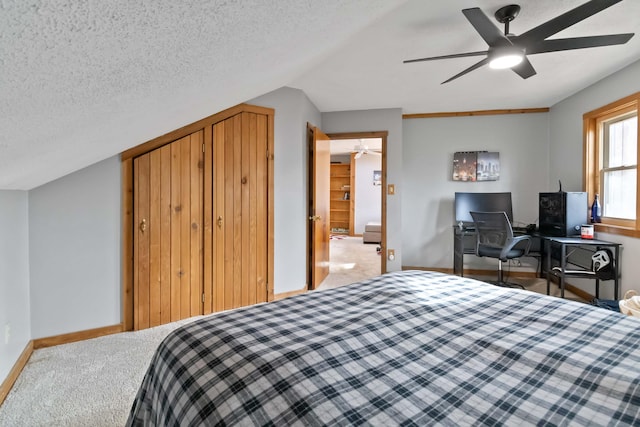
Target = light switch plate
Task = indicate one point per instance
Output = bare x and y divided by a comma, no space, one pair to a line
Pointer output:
391,189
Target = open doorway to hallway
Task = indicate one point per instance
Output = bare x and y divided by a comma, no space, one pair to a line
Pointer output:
356,208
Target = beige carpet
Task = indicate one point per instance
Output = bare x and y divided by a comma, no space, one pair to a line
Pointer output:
87,383
94,382
351,261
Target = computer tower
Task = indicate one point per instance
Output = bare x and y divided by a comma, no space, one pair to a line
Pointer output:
562,213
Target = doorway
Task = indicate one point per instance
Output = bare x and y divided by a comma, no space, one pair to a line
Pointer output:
358,203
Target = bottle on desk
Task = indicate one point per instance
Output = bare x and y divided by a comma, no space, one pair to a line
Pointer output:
596,210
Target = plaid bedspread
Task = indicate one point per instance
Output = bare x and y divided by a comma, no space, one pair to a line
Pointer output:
408,348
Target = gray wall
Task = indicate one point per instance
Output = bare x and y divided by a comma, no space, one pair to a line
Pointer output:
74,251
293,111
14,278
566,156
427,208
371,121
368,196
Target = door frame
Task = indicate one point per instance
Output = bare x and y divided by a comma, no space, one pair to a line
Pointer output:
127,217
383,197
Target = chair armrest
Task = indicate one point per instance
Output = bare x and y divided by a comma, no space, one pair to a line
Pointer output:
515,242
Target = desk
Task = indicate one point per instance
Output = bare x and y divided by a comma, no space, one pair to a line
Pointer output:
576,252
464,242
559,257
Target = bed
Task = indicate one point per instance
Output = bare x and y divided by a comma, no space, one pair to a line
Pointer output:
407,348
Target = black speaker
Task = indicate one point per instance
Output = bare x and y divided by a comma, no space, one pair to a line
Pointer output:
562,213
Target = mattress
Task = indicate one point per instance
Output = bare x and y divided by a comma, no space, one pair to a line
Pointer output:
407,348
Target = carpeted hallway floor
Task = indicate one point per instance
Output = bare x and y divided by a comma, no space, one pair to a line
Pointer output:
351,261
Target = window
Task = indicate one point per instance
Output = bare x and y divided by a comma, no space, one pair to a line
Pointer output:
619,166
611,164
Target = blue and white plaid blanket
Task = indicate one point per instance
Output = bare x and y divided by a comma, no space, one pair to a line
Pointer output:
407,348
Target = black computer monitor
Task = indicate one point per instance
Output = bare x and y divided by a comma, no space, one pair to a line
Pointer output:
481,202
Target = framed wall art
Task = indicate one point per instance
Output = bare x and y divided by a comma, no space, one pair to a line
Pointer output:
476,166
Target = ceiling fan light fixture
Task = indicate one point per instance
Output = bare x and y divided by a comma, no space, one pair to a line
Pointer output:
505,58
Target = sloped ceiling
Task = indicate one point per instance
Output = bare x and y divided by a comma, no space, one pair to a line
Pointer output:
81,81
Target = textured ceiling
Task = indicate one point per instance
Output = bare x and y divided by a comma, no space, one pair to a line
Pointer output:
81,81
85,80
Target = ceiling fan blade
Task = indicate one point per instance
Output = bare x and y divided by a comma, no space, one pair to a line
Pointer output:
358,154
487,29
473,67
457,55
555,45
524,69
563,21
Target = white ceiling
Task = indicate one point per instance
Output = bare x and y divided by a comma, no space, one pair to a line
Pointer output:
83,81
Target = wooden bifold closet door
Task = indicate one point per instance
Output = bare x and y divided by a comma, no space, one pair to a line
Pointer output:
201,233
168,188
240,211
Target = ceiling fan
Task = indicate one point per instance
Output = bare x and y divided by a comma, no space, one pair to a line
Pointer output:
362,149
510,51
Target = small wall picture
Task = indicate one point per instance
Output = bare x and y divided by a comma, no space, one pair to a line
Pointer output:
476,166
488,168
377,177
464,165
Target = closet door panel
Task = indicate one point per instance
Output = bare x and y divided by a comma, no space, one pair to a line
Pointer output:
165,235
245,215
185,228
262,213
168,263
236,173
240,198
155,237
208,222
252,237
195,226
229,214
141,239
219,213
176,235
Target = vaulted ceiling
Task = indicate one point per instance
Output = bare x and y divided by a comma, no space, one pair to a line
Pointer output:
83,81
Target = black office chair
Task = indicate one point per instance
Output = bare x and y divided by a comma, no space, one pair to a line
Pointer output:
495,240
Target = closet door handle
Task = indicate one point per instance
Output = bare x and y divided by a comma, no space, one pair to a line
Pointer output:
219,222
143,225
